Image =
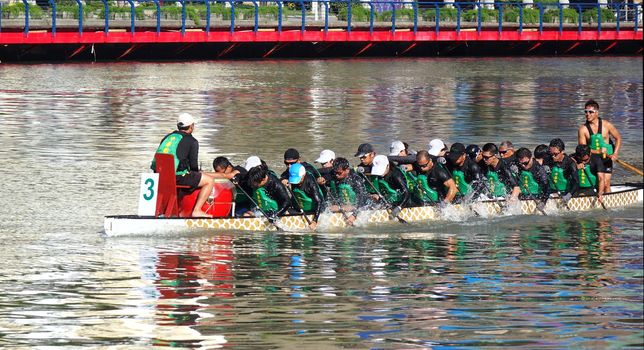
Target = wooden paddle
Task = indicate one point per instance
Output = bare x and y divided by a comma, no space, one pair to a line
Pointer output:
540,204
629,167
597,199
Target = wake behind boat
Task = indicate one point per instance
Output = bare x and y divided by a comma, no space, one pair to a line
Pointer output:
621,196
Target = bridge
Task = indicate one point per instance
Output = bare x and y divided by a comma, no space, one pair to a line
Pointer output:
325,28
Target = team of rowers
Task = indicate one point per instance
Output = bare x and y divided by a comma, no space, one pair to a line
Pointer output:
403,178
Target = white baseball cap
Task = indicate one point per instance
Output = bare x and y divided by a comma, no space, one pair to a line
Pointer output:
435,147
380,163
325,156
252,162
185,119
396,147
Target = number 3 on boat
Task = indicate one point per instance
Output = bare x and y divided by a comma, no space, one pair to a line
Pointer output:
148,194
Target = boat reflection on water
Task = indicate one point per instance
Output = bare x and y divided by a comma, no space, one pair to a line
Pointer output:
398,288
184,283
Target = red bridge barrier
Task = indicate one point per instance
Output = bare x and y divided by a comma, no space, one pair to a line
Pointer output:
586,29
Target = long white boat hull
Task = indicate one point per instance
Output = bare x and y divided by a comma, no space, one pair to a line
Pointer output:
135,225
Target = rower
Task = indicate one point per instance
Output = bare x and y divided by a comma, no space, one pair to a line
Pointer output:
390,182
185,149
400,155
326,159
533,179
269,192
587,175
474,153
563,174
224,169
500,180
237,174
466,173
438,149
292,156
434,182
398,148
307,194
597,133
366,153
506,150
348,190
541,154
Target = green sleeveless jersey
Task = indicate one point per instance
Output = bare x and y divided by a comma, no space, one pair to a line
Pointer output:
528,184
497,188
558,181
464,188
169,146
389,193
264,201
423,192
344,193
586,177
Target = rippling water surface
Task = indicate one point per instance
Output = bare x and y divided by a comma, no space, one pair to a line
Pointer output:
76,137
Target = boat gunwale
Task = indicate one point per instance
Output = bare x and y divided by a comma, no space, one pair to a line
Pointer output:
629,187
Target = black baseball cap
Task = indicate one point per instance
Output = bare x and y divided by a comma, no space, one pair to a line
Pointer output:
364,149
291,153
472,151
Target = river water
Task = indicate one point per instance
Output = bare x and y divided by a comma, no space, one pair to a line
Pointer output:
76,137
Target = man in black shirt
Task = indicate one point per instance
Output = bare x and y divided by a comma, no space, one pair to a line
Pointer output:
474,152
432,176
224,169
326,160
465,172
506,151
390,182
587,171
306,192
268,191
533,178
563,172
366,153
292,156
348,189
185,149
500,180
238,175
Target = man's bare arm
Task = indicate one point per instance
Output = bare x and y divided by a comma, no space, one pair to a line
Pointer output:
612,131
581,136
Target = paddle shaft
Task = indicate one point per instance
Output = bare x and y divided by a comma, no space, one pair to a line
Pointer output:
540,209
382,197
597,196
257,206
629,167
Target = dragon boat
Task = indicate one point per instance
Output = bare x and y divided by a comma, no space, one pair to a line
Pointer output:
171,213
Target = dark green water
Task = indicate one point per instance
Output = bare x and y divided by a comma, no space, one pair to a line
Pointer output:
76,137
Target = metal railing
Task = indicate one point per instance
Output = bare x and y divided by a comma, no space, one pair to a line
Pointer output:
366,15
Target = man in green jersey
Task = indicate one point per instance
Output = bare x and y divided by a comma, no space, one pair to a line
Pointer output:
185,149
598,134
